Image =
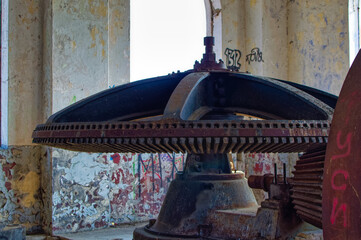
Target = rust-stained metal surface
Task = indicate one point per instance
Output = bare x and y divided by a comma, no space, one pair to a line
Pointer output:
341,203
261,181
198,111
206,112
205,186
307,186
186,136
207,201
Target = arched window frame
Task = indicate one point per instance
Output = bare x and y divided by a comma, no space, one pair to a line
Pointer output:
4,71
213,27
354,28
214,24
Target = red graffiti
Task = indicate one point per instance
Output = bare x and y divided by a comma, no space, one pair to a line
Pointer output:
268,168
334,214
116,158
339,187
105,159
116,176
346,144
346,149
258,168
8,185
6,168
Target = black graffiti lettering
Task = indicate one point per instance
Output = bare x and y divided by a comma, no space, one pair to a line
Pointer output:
233,57
254,56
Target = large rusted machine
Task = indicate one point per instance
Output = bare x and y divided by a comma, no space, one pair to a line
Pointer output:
203,112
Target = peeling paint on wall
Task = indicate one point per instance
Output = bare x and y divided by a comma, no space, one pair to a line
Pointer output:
20,189
100,190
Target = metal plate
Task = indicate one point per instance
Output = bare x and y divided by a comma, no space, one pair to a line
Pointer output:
341,205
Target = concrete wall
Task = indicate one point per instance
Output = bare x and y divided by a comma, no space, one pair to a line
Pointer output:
90,48
101,190
318,46
87,52
59,52
20,162
20,187
300,41
25,70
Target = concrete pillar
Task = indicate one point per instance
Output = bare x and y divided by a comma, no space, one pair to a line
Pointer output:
22,108
86,51
258,29
253,11
274,39
318,49
58,52
234,29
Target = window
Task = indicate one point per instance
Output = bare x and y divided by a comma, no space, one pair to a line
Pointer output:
4,72
354,28
165,36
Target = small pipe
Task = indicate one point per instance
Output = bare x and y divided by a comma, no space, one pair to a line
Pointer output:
284,174
275,171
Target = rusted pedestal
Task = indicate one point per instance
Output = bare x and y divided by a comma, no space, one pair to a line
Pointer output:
193,198
207,201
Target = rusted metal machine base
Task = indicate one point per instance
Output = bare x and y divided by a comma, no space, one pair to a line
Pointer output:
271,221
207,201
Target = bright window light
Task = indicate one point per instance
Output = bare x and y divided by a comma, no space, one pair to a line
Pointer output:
165,36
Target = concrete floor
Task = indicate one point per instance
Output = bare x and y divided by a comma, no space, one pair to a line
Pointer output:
124,232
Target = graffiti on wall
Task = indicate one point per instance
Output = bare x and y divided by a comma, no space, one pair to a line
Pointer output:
233,57
99,190
254,56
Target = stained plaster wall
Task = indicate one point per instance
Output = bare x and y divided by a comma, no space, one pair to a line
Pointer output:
86,52
298,40
20,161
101,190
301,41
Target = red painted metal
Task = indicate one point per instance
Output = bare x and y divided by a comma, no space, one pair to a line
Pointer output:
341,204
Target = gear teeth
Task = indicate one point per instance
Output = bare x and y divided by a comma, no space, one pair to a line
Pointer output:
217,141
266,143
248,143
289,142
142,143
258,142
274,142
136,144
281,142
151,143
158,142
168,145
193,147
296,146
231,145
208,145
200,145
175,143
226,136
183,143
240,144
224,144
126,142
